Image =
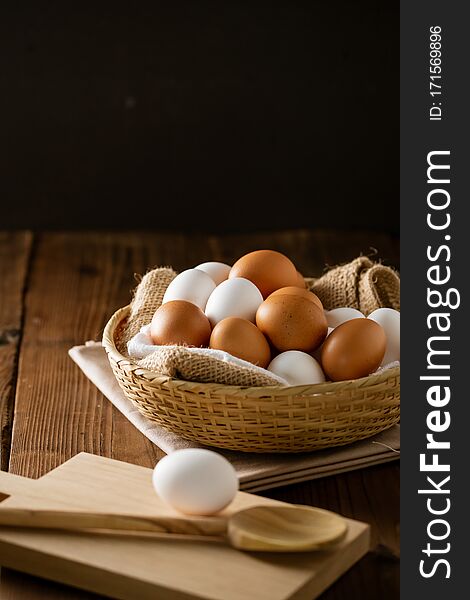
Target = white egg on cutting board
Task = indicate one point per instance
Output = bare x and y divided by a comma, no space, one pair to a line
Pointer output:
235,297
195,481
297,368
191,285
390,321
216,270
337,316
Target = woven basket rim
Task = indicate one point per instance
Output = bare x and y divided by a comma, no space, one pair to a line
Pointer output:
213,388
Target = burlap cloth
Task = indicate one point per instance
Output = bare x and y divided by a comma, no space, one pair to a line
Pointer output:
360,284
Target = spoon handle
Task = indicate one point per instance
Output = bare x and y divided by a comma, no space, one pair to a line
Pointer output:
76,520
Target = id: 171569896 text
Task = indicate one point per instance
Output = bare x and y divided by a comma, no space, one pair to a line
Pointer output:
435,72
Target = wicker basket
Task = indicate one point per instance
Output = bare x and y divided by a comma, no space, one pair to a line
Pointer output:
259,419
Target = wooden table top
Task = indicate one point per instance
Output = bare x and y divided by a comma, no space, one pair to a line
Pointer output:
59,289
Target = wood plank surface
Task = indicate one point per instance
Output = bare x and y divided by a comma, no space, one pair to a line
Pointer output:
15,251
75,282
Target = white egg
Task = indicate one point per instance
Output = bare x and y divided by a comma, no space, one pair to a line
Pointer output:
297,368
191,285
235,297
217,270
390,321
195,481
336,316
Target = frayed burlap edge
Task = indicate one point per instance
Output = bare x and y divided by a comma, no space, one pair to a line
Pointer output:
378,287
360,284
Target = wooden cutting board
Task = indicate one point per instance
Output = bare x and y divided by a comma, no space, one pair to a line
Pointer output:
169,569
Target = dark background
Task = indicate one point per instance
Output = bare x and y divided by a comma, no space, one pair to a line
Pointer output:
258,115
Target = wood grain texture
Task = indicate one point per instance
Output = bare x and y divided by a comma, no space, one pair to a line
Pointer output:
15,250
76,281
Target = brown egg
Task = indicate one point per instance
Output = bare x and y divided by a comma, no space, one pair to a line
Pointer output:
296,291
181,323
300,280
291,322
353,349
267,269
241,338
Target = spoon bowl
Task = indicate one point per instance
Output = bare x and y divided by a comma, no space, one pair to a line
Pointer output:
285,529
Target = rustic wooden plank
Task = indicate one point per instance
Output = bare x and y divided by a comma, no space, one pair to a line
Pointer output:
15,251
20,586
77,281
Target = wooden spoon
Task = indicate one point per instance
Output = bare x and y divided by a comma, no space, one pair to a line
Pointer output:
263,528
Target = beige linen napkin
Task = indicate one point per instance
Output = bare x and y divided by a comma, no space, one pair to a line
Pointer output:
256,472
